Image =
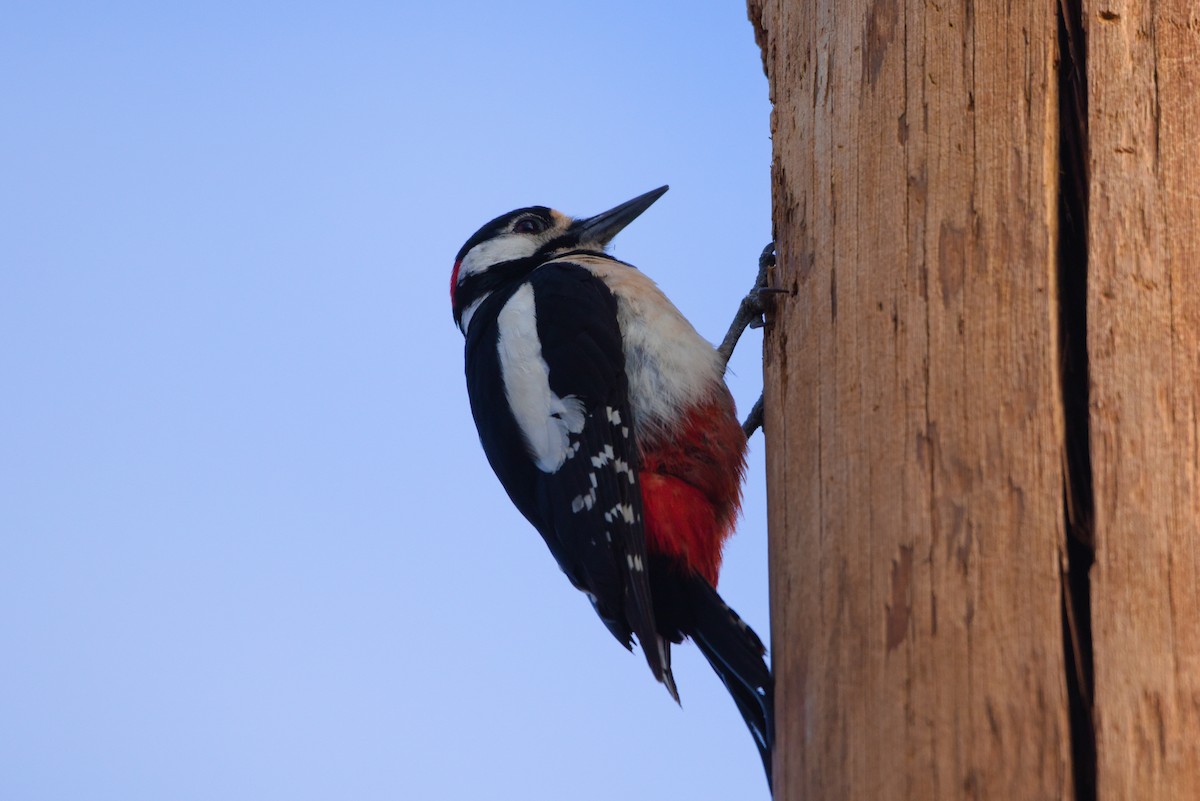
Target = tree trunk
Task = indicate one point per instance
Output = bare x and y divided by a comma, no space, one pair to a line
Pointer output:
982,376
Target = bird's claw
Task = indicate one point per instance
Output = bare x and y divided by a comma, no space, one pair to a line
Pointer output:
752,310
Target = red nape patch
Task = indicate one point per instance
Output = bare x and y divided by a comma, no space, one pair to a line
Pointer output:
692,487
454,280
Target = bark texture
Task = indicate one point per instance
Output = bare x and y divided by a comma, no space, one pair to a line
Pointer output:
982,398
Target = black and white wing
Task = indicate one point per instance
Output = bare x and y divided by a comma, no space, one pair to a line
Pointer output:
550,353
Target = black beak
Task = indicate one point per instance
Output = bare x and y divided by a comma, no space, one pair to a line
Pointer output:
600,230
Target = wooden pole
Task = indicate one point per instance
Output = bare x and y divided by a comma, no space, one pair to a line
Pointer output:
985,376
1144,353
913,411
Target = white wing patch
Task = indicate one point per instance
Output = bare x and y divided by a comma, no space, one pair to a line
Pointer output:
544,418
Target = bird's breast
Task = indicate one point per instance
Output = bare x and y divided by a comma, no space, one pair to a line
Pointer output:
670,367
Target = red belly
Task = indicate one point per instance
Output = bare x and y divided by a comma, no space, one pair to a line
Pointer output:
691,487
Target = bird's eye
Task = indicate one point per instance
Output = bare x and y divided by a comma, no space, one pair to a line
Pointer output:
528,225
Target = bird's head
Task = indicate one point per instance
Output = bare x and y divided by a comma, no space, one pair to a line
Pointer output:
516,242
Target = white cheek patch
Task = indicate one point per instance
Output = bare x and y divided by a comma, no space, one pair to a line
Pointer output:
544,418
494,251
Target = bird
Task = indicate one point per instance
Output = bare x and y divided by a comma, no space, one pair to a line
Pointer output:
606,417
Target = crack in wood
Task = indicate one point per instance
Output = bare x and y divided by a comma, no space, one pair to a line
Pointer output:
1078,500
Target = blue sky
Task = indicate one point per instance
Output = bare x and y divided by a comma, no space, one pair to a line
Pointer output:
249,544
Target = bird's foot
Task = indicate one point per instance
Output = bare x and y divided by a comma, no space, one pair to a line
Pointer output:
754,420
752,308
751,314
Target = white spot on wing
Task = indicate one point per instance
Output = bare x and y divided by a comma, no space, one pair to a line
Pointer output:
603,458
622,466
623,510
581,502
544,418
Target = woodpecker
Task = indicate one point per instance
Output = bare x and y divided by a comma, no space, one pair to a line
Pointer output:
606,417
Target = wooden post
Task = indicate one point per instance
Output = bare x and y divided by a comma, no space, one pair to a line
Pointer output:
985,375
1144,353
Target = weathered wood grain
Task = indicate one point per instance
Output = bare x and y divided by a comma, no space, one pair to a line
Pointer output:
1144,352
913,409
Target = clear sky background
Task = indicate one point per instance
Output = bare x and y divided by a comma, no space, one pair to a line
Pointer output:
249,545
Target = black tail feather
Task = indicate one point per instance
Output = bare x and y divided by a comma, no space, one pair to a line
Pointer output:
736,654
685,605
